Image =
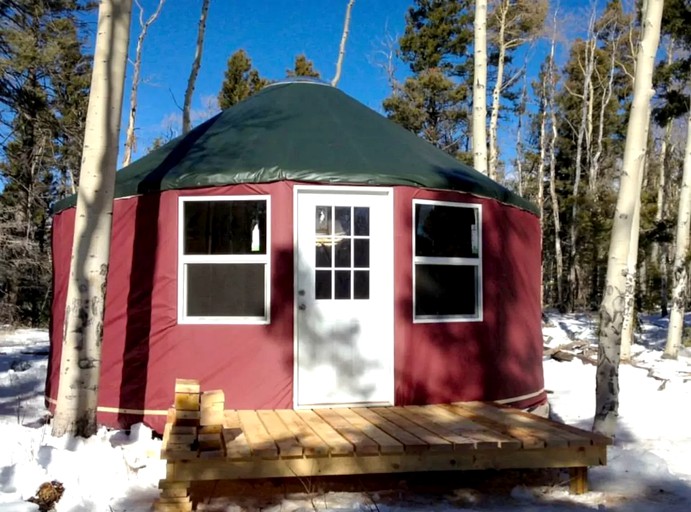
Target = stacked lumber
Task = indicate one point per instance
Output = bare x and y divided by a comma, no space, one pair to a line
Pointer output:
194,430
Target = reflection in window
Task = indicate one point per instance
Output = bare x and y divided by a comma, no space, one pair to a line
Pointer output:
224,259
342,246
447,261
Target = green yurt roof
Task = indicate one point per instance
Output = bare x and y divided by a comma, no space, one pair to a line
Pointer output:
306,132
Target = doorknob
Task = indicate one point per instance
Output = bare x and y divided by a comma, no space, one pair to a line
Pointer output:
302,307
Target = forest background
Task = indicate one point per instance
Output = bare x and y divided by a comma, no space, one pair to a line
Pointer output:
559,88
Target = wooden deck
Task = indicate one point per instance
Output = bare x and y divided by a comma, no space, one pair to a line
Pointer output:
202,441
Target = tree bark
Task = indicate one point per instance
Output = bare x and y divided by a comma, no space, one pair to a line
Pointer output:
496,92
80,362
676,317
581,134
130,139
342,47
480,88
612,307
196,64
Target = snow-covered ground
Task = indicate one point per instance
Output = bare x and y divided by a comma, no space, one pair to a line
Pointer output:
649,466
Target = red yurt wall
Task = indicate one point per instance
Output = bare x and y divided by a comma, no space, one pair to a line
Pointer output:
145,349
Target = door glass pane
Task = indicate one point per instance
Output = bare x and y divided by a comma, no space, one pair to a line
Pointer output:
444,290
322,256
225,289
343,253
342,284
361,256
323,220
342,224
322,284
361,214
361,284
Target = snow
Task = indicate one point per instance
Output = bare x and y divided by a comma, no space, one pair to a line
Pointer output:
648,467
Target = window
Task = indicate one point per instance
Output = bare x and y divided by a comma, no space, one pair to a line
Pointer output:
447,275
223,274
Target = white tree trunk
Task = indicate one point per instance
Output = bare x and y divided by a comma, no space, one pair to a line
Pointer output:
80,363
590,44
629,322
612,308
676,316
496,92
480,88
196,64
130,139
342,47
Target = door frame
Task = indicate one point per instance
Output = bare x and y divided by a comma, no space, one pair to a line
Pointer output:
388,194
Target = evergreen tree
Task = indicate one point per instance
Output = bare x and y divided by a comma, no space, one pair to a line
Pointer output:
303,67
43,92
435,102
241,80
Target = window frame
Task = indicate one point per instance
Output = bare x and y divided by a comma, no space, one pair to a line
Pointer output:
449,261
227,259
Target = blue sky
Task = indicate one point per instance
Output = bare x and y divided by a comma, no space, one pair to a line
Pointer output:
273,32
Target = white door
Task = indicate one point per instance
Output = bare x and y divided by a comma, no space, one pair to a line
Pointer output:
344,297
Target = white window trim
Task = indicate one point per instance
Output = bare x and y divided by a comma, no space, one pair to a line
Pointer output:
426,260
183,260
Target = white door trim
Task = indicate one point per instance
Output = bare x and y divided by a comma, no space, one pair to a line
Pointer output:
387,192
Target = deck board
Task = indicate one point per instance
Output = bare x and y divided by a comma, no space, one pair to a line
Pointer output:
410,442
359,440
363,444
313,445
387,444
337,444
259,439
434,442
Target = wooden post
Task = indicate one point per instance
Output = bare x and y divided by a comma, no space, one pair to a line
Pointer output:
578,480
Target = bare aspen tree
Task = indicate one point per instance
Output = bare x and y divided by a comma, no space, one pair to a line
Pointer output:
80,363
586,106
548,145
130,139
480,88
616,289
196,64
517,22
519,145
342,47
659,254
681,252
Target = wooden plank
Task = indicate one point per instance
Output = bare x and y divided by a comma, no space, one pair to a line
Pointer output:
387,444
187,386
260,441
362,443
427,461
312,444
434,442
578,480
411,443
552,434
429,422
288,445
216,396
591,436
336,443
212,415
483,436
236,445
527,437
182,429
187,401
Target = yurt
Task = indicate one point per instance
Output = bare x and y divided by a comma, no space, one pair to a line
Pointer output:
299,250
